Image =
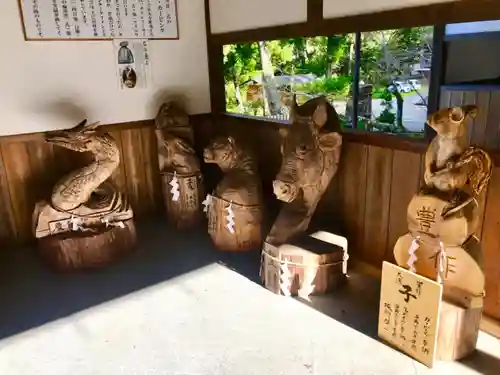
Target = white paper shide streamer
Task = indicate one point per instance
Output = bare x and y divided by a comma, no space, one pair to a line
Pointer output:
413,257
285,279
441,263
75,223
307,285
175,188
206,203
230,218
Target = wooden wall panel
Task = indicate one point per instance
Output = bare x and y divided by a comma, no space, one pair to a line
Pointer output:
404,185
484,130
491,246
29,168
352,193
377,203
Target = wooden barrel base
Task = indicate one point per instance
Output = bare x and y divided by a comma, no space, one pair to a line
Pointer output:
458,331
186,212
72,251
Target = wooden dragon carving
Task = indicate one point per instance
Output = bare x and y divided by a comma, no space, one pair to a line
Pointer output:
310,149
85,198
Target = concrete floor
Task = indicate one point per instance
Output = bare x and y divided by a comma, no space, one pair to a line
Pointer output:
173,309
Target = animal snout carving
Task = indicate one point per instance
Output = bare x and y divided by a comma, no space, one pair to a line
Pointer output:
284,191
208,155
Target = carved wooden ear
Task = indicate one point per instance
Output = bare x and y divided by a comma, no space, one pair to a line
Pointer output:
91,127
456,114
80,126
470,110
320,115
230,139
329,141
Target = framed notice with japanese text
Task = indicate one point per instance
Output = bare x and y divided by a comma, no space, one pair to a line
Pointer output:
409,312
99,19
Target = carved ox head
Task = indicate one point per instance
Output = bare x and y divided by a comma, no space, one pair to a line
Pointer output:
450,122
309,150
81,138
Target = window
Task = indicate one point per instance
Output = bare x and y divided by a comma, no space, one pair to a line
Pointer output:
390,69
261,78
394,75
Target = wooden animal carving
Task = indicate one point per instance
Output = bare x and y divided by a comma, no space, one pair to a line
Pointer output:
450,163
174,120
241,183
235,208
176,155
310,151
85,194
179,166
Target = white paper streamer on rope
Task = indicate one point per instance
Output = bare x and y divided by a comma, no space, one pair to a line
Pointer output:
75,223
345,258
206,203
285,279
441,263
230,218
105,220
307,285
413,257
175,188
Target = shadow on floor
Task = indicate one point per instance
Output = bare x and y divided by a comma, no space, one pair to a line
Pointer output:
483,363
31,295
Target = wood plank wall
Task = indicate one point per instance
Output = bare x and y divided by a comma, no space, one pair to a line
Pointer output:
29,168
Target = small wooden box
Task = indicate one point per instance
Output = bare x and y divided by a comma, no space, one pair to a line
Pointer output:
306,266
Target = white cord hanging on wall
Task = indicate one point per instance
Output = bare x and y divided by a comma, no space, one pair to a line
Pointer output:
230,218
175,188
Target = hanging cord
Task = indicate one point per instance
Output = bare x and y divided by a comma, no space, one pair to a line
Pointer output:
415,244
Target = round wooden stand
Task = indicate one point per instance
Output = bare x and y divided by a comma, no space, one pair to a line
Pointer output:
72,251
186,212
247,226
458,331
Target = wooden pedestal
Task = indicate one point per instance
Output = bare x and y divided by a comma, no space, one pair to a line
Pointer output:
186,212
313,264
247,226
71,251
458,331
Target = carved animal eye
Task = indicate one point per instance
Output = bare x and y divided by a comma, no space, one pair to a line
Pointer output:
302,149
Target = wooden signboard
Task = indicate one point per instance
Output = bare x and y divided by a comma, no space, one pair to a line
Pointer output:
99,19
409,312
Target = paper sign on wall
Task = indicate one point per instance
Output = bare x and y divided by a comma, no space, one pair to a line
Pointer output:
99,19
409,312
133,65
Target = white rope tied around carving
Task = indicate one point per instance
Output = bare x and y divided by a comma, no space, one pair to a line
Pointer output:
441,263
441,258
415,244
175,188
281,262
